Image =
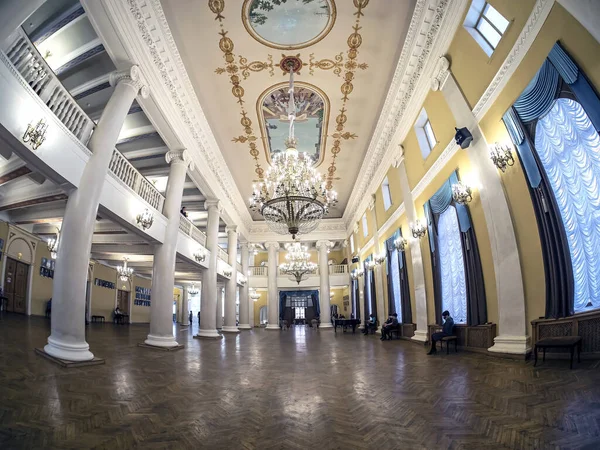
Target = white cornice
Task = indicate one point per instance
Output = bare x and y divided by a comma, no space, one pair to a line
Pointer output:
432,28
331,229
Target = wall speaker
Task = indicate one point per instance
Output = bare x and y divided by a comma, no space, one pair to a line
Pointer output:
463,137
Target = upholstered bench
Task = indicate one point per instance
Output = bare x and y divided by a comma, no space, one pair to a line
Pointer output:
397,330
98,319
447,340
569,342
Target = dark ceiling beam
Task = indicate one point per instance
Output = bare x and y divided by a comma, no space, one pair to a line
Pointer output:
34,201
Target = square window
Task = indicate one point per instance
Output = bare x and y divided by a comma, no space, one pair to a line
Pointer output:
425,135
387,195
486,25
429,134
365,226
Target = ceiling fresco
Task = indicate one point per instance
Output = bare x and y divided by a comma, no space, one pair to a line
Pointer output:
239,53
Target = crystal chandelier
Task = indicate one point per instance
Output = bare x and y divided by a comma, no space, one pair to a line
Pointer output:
462,193
298,265
501,156
418,229
400,244
193,290
53,245
292,198
125,273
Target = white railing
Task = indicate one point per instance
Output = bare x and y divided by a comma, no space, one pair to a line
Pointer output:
198,236
338,269
32,67
258,271
239,267
185,224
223,255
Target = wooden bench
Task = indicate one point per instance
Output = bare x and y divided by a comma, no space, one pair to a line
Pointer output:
122,319
569,342
447,340
98,319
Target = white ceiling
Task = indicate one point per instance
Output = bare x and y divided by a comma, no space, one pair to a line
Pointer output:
382,27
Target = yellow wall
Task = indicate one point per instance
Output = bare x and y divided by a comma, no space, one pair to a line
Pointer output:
260,258
262,301
338,299
41,287
140,314
396,194
103,299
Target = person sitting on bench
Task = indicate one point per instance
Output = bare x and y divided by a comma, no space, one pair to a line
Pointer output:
447,330
371,324
118,315
388,326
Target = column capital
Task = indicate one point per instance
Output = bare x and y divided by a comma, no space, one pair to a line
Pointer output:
231,229
356,228
440,74
213,203
270,245
323,244
179,157
133,77
398,156
372,202
345,243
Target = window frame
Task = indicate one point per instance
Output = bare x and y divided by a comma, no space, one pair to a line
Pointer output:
422,136
387,194
365,225
477,13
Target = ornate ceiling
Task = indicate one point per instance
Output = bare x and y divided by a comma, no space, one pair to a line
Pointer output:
344,52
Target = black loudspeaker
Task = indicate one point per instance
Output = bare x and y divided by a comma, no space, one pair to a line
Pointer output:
463,137
355,259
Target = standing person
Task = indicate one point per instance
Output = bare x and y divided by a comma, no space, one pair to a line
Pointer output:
388,326
198,319
191,318
447,330
117,314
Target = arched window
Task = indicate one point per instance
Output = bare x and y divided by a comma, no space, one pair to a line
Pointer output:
568,147
452,266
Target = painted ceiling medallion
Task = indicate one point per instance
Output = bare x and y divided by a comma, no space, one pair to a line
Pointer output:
288,24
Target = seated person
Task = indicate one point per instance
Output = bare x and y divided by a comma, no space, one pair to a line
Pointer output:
117,314
388,326
371,324
314,323
341,316
447,330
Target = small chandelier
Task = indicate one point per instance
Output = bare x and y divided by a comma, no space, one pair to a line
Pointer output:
298,265
379,259
200,256
254,295
418,229
357,273
36,135
227,273
461,193
193,290
400,244
254,249
53,244
501,156
293,198
145,219
125,273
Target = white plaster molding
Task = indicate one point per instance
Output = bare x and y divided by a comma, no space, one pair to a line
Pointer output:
451,149
392,219
432,28
369,244
179,157
440,74
536,19
323,243
132,76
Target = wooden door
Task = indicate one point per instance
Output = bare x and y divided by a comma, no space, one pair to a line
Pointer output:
123,301
15,285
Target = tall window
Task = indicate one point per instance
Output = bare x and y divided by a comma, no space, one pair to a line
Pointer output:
425,135
352,243
365,226
486,25
396,283
569,150
452,267
387,195
368,275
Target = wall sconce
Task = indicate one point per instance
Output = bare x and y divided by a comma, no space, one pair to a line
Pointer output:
36,136
501,156
370,265
53,245
462,193
418,229
200,256
400,244
254,295
379,259
145,219
357,273
227,273
243,280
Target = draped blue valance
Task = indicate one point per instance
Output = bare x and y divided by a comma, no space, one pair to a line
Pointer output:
538,98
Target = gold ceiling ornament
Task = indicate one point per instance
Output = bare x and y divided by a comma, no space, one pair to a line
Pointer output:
217,7
326,64
245,67
347,135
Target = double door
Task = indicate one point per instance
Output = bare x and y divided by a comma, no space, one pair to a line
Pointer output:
15,286
123,301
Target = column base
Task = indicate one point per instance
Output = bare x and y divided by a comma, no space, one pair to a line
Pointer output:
208,334
161,341
227,329
512,345
326,325
272,327
420,336
244,326
68,351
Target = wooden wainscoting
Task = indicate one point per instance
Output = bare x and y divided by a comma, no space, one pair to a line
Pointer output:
586,325
408,330
478,338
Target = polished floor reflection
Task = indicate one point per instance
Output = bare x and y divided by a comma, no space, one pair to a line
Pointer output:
296,389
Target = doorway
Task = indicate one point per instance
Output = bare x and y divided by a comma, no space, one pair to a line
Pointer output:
15,286
123,301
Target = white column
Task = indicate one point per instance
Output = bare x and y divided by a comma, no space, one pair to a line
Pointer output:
219,312
505,252
208,310
415,254
67,338
244,298
184,312
14,12
163,270
272,294
361,300
378,270
324,291
231,284
250,301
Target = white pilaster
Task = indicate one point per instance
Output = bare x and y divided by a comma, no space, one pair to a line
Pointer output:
231,284
378,270
415,253
184,317
244,298
272,294
67,338
208,310
163,270
505,253
324,292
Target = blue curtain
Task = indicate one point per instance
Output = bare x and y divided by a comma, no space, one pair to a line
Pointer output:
283,295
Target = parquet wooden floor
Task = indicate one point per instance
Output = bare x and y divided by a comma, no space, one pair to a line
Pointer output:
297,389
